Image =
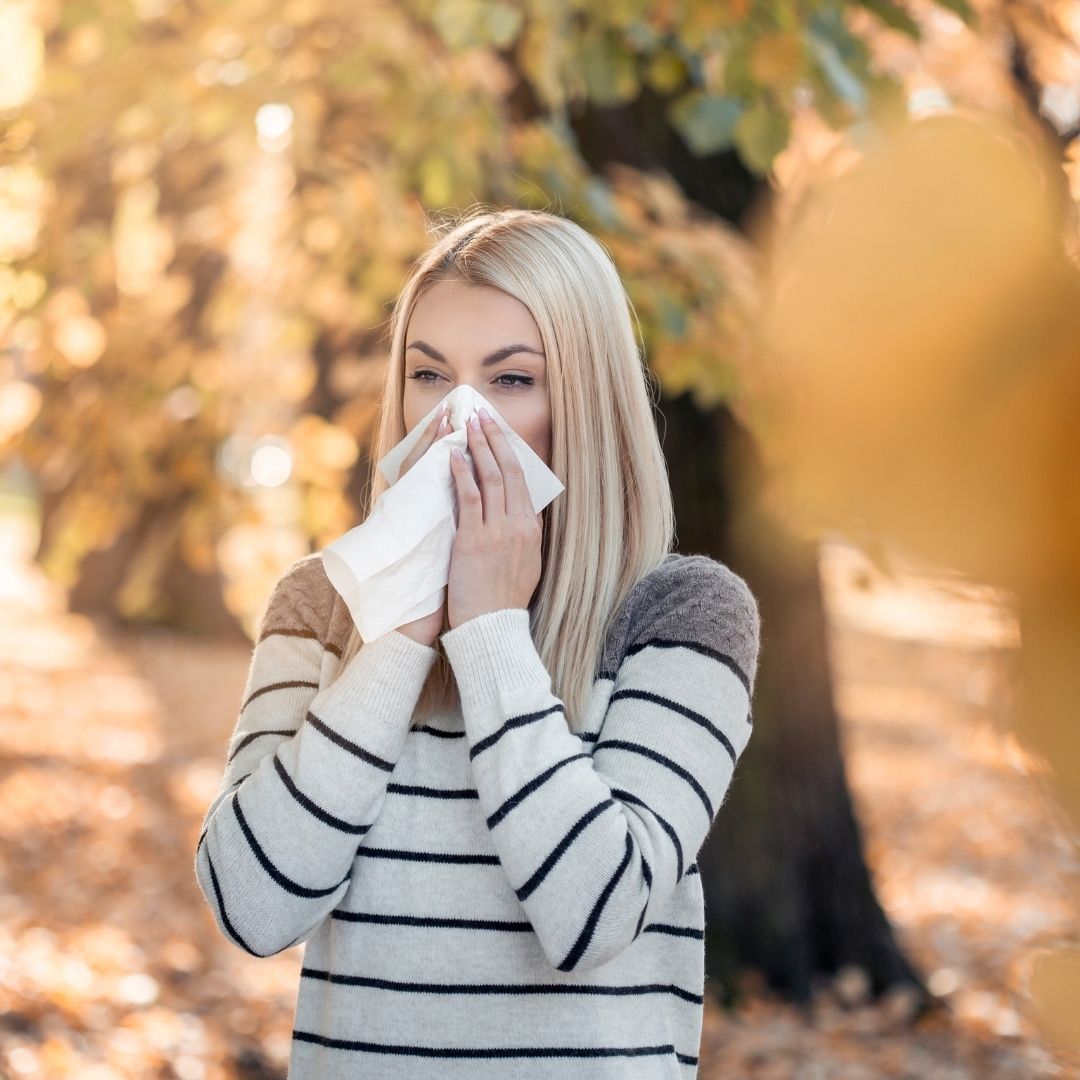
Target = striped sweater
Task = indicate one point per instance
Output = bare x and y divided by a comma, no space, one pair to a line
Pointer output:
489,894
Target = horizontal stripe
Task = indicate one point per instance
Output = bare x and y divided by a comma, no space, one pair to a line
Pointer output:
675,931
427,856
485,1052
502,989
645,906
312,808
427,729
511,724
693,646
412,855
291,684
347,744
236,783
675,767
225,920
630,797
520,926
582,943
534,882
440,733
285,882
584,736
449,922
527,789
682,710
423,792
253,735
299,632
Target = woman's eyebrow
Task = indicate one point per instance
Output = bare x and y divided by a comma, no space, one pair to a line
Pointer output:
493,358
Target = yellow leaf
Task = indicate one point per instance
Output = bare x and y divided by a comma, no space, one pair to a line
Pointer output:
436,181
777,59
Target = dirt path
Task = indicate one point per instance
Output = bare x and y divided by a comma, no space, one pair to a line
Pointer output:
112,747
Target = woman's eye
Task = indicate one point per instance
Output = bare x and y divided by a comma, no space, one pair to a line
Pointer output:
520,380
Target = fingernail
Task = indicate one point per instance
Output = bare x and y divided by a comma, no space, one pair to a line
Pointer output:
442,422
484,414
457,453
474,422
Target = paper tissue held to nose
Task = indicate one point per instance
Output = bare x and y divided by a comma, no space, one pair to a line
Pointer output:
393,567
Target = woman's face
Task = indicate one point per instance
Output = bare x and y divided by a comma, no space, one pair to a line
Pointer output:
460,333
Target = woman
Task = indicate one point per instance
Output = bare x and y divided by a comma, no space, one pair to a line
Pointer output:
485,822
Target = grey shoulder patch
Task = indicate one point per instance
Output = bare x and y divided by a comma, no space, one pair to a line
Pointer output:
697,598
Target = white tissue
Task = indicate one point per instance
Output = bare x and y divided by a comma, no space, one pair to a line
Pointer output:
394,566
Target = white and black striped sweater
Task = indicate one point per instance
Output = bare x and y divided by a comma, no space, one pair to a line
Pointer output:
489,895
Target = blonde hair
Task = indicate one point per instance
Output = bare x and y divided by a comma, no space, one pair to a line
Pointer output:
614,523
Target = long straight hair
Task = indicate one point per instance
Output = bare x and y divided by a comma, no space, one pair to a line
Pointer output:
614,523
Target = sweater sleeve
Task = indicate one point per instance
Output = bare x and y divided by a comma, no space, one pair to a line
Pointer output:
306,769
595,846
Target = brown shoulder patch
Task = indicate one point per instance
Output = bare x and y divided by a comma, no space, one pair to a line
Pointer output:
302,601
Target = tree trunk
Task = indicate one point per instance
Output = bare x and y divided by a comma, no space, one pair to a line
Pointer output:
187,600
787,889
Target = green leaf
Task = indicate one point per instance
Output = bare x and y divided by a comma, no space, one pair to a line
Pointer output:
738,80
833,109
665,71
610,71
350,69
502,24
457,22
436,181
963,9
672,316
598,198
705,121
76,13
887,99
466,24
832,62
539,53
641,37
620,13
761,133
892,15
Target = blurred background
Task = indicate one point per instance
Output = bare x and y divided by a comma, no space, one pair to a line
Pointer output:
850,231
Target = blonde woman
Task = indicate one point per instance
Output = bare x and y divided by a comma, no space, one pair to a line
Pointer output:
485,823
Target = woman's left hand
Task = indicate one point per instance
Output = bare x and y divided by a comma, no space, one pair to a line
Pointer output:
496,558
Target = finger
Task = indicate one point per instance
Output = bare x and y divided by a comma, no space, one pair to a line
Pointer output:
518,500
435,425
470,503
487,469
431,435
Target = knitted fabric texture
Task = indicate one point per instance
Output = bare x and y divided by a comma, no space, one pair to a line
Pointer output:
489,895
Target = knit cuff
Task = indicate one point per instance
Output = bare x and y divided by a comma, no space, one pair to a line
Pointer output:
493,652
384,679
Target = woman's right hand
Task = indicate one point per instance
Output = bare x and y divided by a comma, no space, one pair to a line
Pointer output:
426,629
